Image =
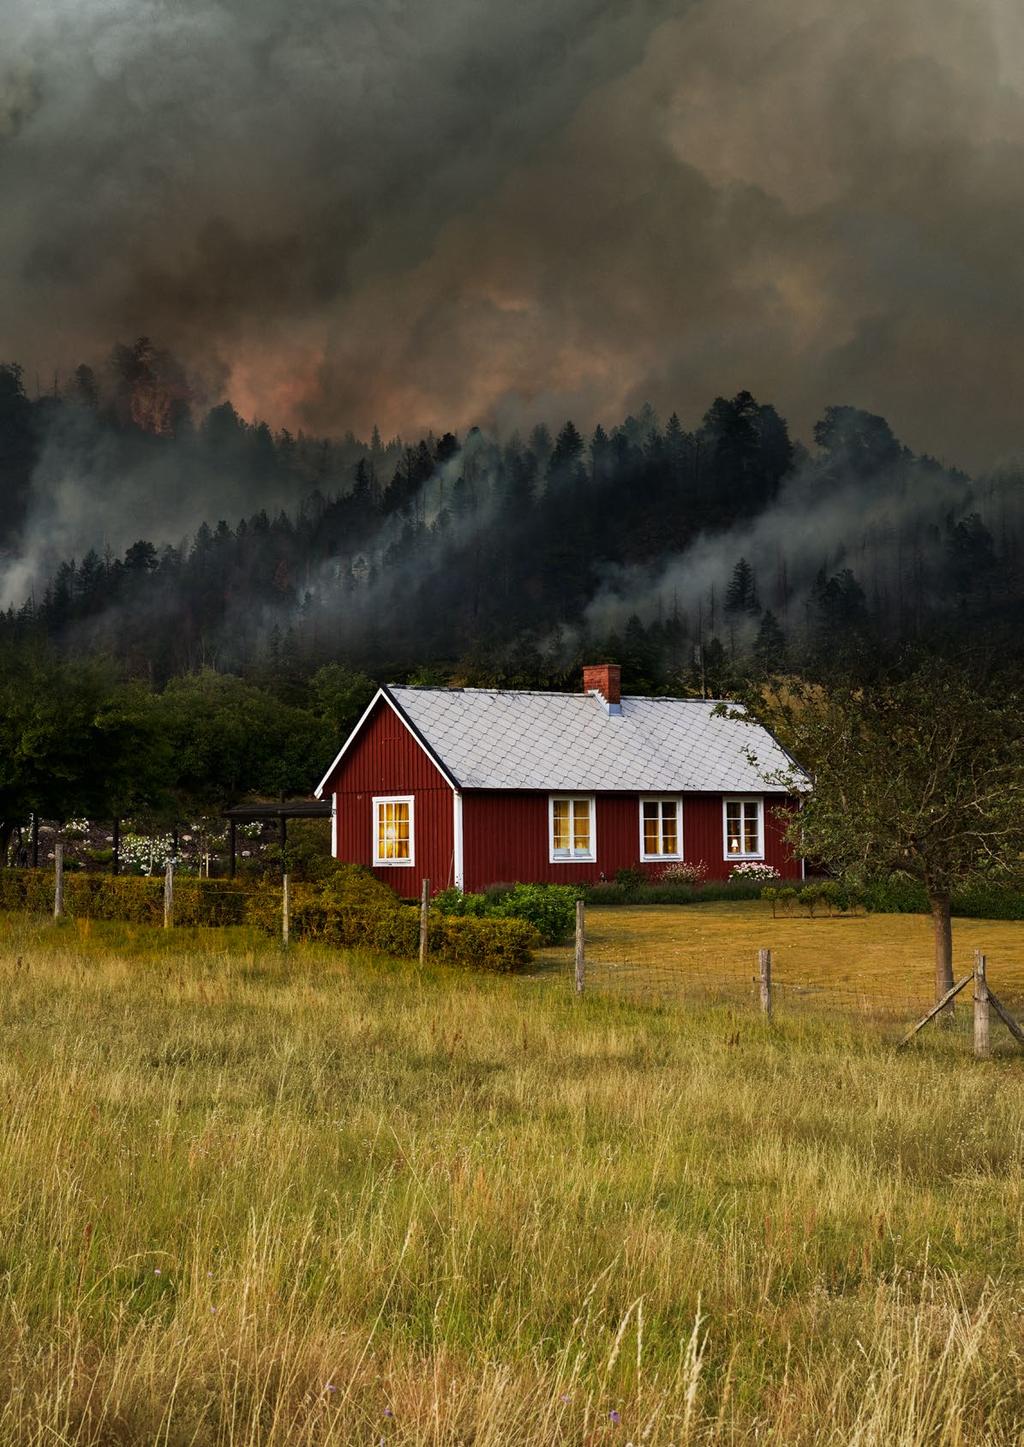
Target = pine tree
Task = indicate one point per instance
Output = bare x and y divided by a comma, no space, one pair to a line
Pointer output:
741,594
770,645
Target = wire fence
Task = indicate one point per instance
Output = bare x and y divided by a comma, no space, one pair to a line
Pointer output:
652,982
764,986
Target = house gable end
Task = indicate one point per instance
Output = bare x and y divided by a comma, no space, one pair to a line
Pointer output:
371,736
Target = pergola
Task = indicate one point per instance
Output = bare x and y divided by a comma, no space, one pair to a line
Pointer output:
262,810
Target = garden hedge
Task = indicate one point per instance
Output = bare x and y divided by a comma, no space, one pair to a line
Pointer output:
352,908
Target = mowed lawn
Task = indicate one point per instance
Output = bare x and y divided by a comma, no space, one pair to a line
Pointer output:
865,957
325,1198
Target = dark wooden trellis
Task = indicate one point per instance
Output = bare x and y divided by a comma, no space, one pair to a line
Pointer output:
262,811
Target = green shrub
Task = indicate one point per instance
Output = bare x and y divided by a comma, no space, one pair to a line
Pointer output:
549,908
631,879
457,902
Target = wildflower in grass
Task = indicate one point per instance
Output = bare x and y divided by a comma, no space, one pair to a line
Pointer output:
388,1412
329,1387
614,1417
157,1271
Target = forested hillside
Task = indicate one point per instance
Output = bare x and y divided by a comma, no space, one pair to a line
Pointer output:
172,538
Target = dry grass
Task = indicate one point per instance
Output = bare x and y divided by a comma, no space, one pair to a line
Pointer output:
246,1200
874,957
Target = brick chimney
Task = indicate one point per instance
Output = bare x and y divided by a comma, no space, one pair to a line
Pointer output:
605,679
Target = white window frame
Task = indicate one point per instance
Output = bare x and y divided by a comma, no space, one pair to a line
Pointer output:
757,799
572,857
409,799
677,800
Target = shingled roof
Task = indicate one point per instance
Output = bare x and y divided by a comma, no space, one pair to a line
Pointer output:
505,739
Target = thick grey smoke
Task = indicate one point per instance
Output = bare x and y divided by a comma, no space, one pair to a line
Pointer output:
462,211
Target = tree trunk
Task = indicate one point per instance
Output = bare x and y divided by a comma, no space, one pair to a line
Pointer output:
6,830
942,924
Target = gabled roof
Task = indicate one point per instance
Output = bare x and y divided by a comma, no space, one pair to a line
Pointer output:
503,739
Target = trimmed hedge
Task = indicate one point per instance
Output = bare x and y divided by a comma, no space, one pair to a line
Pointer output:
672,893
132,899
904,896
350,909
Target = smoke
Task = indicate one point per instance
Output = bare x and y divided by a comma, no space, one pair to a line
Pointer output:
462,211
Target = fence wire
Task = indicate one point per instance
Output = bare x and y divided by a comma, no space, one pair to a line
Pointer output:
653,982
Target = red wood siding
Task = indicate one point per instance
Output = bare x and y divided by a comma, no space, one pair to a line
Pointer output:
386,759
506,838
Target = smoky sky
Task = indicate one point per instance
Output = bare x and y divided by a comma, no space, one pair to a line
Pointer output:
468,211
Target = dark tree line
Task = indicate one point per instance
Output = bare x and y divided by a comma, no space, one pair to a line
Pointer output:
684,552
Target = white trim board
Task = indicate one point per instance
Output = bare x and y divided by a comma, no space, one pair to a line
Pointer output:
458,842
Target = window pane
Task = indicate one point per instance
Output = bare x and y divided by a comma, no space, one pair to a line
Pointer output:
733,815
650,833
560,826
581,826
750,829
669,828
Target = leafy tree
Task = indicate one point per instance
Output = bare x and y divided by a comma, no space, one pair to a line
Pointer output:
922,776
338,695
74,740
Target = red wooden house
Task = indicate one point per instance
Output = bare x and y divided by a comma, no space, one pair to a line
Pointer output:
472,786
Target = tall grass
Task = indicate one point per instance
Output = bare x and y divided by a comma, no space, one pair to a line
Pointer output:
248,1198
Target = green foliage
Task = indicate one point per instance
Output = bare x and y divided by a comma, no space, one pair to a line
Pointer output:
350,907
549,908
308,855
658,893
229,738
459,902
132,899
630,879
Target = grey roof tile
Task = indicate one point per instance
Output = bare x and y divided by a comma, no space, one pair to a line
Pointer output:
497,739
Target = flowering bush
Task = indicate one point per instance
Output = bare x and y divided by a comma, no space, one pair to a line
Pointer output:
146,853
754,869
695,873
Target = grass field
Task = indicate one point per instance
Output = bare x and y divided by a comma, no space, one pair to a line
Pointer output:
863,958
247,1199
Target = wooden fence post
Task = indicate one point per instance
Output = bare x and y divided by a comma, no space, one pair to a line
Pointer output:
424,919
764,974
58,875
169,894
982,1013
581,945
286,909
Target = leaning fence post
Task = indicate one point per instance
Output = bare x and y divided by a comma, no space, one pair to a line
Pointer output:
286,909
764,974
982,1013
581,944
169,894
424,919
58,876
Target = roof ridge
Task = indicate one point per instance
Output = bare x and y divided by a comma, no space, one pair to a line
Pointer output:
556,693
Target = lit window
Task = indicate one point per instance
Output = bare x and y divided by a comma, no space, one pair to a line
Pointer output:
571,820
744,829
660,834
393,831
